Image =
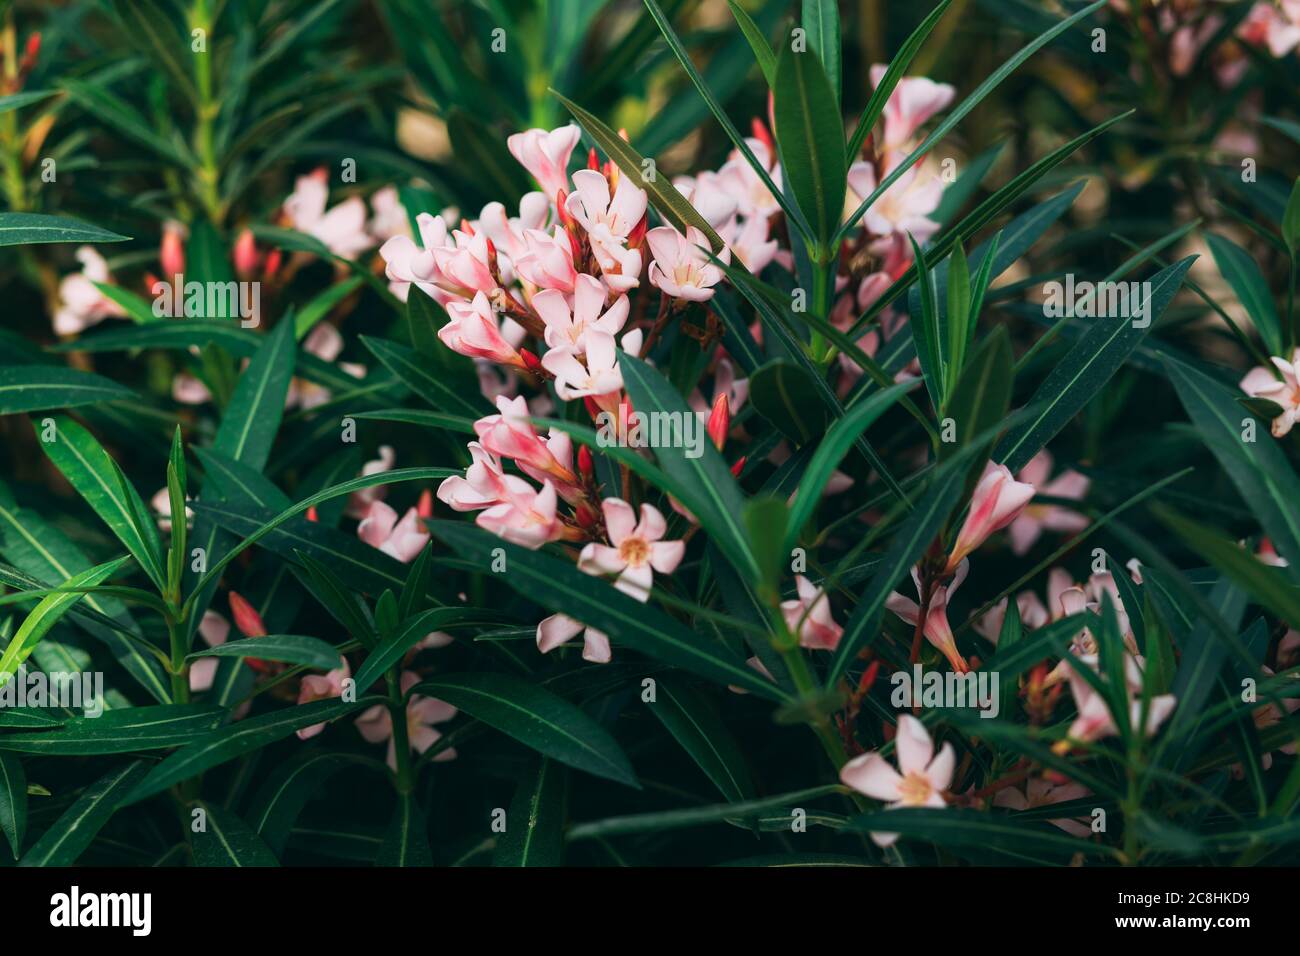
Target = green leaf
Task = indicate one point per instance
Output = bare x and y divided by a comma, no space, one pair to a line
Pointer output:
30,388
757,42
706,474
290,648
103,486
995,834
47,613
252,418
481,149
885,88
831,451
765,524
336,597
122,117
226,840
13,802
1260,471
982,394
959,320
1243,274
693,721
227,743
149,26
406,842
908,545
536,718
821,23
436,389
1291,221
666,197
1266,584
990,83
675,44
810,135
29,228
278,803
176,488
535,822
786,395
1084,371
17,101
119,731
394,647
561,587
69,836
927,332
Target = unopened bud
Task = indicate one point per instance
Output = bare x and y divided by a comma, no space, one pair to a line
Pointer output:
586,467
719,421
244,255
424,507
171,252
246,617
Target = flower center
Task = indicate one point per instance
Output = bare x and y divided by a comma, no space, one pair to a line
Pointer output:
914,789
634,551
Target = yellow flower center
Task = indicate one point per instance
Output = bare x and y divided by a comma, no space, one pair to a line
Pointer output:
914,789
634,551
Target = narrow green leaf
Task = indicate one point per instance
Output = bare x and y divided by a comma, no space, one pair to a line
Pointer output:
821,23
30,388
413,370
810,135
29,228
534,834
103,486
252,418
536,718
757,42
226,840
1243,274
119,731
693,721
290,648
406,842
69,836
13,802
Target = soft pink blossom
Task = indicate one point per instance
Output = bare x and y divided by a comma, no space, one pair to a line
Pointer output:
376,723
920,780
342,229
997,501
936,628
566,326
1284,392
322,687
1035,519
81,304
809,616
681,268
403,540
546,155
473,329
914,100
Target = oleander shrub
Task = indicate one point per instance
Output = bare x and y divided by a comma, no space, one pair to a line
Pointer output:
594,432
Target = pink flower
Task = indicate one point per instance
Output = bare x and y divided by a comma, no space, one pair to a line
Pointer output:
403,540
484,484
81,304
914,100
600,376
464,265
547,260
636,549
545,155
390,218
1041,793
1035,519
1284,392
635,552
376,723
920,780
904,207
171,251
527,519
510,434
342,229
473,330
1277,26
567,328
997,501
1094,720
750,243
322,687
609,221
508,234
737,178
359,501
809,616
724,383
681,269
407,264
936,628
214,629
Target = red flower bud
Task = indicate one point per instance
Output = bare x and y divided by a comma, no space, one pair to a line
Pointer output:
762,134
593,162
586,467
424,507
245,254
171,252
531,361
312,515
738,466
273,260
246,617
719,421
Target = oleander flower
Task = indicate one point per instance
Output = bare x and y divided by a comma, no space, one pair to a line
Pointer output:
920,780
